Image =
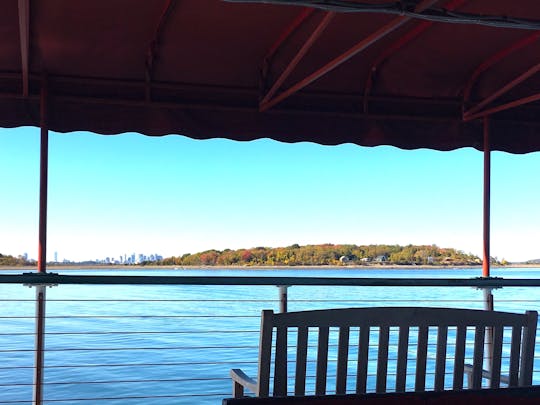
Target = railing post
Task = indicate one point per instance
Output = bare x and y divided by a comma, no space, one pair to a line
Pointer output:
488,306
39,352
283,298
39,342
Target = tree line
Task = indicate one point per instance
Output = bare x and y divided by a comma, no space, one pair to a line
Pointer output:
326,255
8,260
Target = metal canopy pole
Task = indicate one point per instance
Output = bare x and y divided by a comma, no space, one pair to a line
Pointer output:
42,252
487,198
487,292
43,181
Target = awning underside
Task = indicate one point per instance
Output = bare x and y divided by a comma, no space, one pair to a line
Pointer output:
210,68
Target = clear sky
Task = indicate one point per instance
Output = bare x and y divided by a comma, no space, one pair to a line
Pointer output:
123,194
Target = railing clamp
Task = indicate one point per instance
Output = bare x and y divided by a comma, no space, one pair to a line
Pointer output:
491,287
40,284
283,297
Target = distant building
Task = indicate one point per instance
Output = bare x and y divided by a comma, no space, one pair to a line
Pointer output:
381,258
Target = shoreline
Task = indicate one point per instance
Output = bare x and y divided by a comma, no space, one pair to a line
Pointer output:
255,268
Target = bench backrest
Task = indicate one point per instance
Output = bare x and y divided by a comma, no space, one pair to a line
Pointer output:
407,340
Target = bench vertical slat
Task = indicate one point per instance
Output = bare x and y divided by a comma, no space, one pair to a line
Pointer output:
515,347
440,359
527,353
459,357
342,360
322,361
421,359
265,353
382,359
403,349
363,359
280,365
496,355
478,356
301,361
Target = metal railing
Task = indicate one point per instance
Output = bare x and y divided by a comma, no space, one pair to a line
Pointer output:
159,340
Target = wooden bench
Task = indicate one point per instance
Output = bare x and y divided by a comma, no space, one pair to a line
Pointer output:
424,331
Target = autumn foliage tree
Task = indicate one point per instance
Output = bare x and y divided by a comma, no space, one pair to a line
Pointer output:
326,255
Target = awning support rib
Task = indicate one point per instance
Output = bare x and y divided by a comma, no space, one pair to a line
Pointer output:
396,46
297,22
24,38
359,47
503,107
494,59
472,112
297,58
152,48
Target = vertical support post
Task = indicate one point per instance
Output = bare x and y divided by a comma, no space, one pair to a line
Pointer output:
283,298
487,198
39,353
488,296
43,180
488,343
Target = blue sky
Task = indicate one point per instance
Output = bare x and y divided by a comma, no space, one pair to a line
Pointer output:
123,194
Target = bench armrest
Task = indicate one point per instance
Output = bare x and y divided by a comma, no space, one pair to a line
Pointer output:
240,381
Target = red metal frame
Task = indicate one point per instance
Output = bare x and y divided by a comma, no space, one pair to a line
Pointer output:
504,89
497,57
360,46
24,37
298,21
487,199
298,57
150,53
402,41
43,181
503,107
476,112
366,42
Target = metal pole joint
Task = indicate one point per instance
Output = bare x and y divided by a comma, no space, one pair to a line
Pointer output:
283,297
42,276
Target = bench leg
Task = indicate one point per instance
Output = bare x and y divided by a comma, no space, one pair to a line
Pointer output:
238,390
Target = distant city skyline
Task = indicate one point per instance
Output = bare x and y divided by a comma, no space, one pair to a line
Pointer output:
133,258
176,195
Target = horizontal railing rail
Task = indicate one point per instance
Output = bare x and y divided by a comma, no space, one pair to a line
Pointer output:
54,278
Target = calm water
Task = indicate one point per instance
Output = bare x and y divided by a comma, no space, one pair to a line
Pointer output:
106,342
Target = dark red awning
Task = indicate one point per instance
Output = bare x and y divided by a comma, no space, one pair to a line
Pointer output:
411,74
